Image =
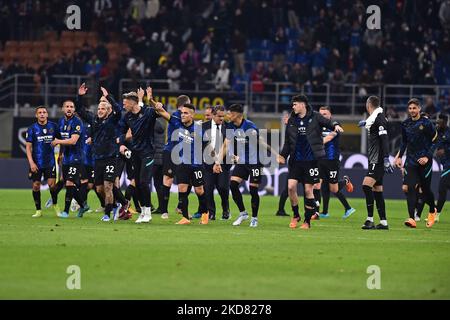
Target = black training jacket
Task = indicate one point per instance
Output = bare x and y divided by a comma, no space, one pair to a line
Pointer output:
313,134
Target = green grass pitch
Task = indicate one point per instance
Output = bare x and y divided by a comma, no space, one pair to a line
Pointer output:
162,260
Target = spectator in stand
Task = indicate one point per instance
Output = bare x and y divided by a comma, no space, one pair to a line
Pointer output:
137,10
206,48
285,74
430,108
318,60
238,46
93,67
270,76
222,79
337,82
391,113
190,61
299,76
292,15
279,49
154,50
257,77
257,85
174,75
444,14
102,52
301,53
203,77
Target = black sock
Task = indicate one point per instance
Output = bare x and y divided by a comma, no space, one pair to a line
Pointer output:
341,184
118,196
237,196
343,200
129,192
420,203
37,199
254,201
369,200
309,212
317,198
295,211
144,192
411,199
54,195
326,197
224,198
379,198
283,197
159,194
165,192
202,207
183,203
78,198
59,186
108,209
100,198
69,196
136,199
83,192
442,195
429,197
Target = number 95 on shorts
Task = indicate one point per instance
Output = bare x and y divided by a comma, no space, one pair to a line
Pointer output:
304,172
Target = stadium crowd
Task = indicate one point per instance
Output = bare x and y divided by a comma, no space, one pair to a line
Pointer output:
305,42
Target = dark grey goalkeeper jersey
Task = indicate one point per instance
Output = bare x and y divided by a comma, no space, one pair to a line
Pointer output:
378,142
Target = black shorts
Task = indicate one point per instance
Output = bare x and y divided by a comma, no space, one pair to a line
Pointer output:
418,174
168,165
306,172
187,174
244,171
87,173
105,170
143,169
329,170
48,173
128,165
72,172
376,172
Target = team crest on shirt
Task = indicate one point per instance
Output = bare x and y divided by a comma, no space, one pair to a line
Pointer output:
77,128
44,131
421,127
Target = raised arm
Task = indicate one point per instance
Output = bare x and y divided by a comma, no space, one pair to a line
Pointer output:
329,123
79,107
330,137
159,108
117,108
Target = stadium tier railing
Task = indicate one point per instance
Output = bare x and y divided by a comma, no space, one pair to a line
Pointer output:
26,90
